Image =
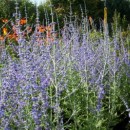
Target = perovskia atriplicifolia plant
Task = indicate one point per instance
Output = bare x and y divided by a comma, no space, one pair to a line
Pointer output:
78,79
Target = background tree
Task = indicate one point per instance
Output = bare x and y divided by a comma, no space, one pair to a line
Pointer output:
94,8
7,9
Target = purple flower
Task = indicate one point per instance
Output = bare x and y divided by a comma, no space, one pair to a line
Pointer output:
1,113
101,94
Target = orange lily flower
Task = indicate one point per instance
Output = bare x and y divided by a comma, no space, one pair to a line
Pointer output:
4,20
48,28
23,21
1,38
41,29
13,36
5,31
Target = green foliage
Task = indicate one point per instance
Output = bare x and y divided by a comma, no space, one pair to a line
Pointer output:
119,23
122,6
